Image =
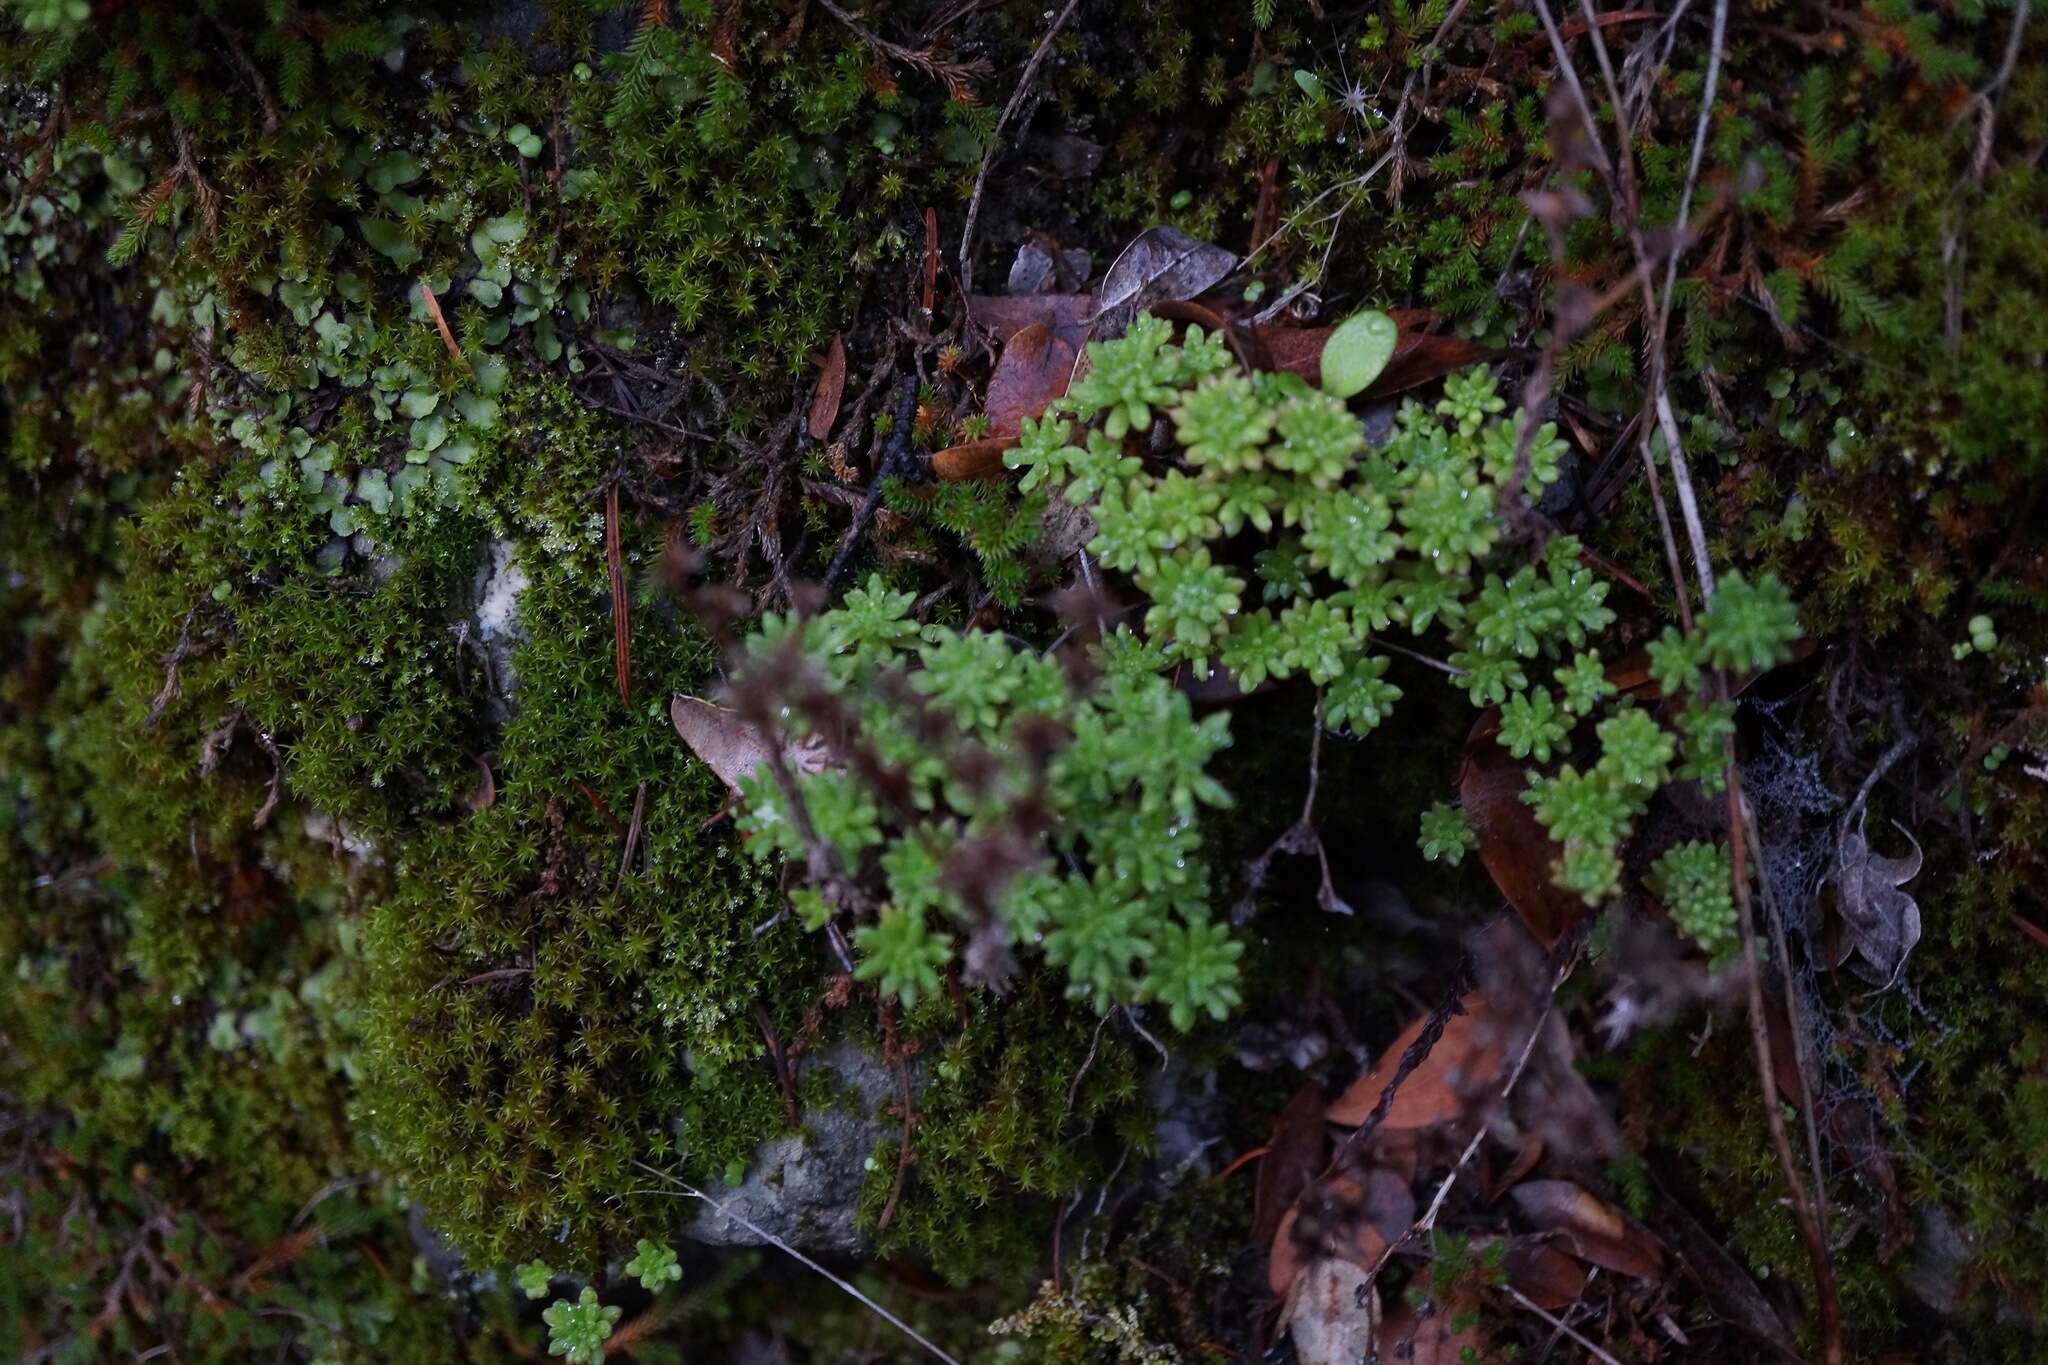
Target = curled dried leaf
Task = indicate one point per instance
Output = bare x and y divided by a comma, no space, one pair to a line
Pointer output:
1161,263
981,459
1034,369
831,388
1880,920
731,747
1589,1227
1466,1062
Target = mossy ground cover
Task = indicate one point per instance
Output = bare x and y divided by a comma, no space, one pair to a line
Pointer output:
363,941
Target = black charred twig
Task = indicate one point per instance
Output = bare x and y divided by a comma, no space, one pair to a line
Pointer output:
633,832
897,461
785,1075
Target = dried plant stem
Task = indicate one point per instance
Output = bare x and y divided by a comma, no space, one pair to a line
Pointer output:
1805,1211
1424,1225
954,75
1561,1325
995,142
1802,1051
689,1191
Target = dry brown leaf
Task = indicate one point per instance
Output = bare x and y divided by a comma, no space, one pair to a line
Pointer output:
981,459
1419,356
1466,1061
1880,920
831,388
1424,1337
1285,1257
732,748
1247,348
1546,1276
1524,1161
1035,366
1002,316
1295,350
1161,263
1589,1227
486,794
1294,1154
1341,1217
1514,847
1333,1314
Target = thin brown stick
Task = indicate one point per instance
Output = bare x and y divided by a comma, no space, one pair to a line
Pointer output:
1427,1222
954,75
725,1210
633,828
1802,1052
995,141
1561,1325
602,808
1804,1210
891,1050
441,322
785,1076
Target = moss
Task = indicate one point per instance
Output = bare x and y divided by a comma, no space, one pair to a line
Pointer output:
539,1013
1147,1299
209,1023
1024,1102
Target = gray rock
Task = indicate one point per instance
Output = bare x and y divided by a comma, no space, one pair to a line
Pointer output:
1941,1253
497,629
1189,1123
1031,271
805,1189
1283,1044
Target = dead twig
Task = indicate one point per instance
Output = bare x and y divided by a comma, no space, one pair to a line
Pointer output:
897,460
785,1075
172,658
433,303
685,1190
1805,1211
633,828
1562,958
995,141
954,75
1559,1323
892,1053
1802,1051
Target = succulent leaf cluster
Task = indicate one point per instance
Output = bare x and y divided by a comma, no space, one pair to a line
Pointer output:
995,807
1273,540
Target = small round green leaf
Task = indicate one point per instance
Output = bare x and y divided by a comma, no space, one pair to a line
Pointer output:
1358,349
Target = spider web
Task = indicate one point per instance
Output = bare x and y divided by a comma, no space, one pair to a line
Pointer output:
1795,820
